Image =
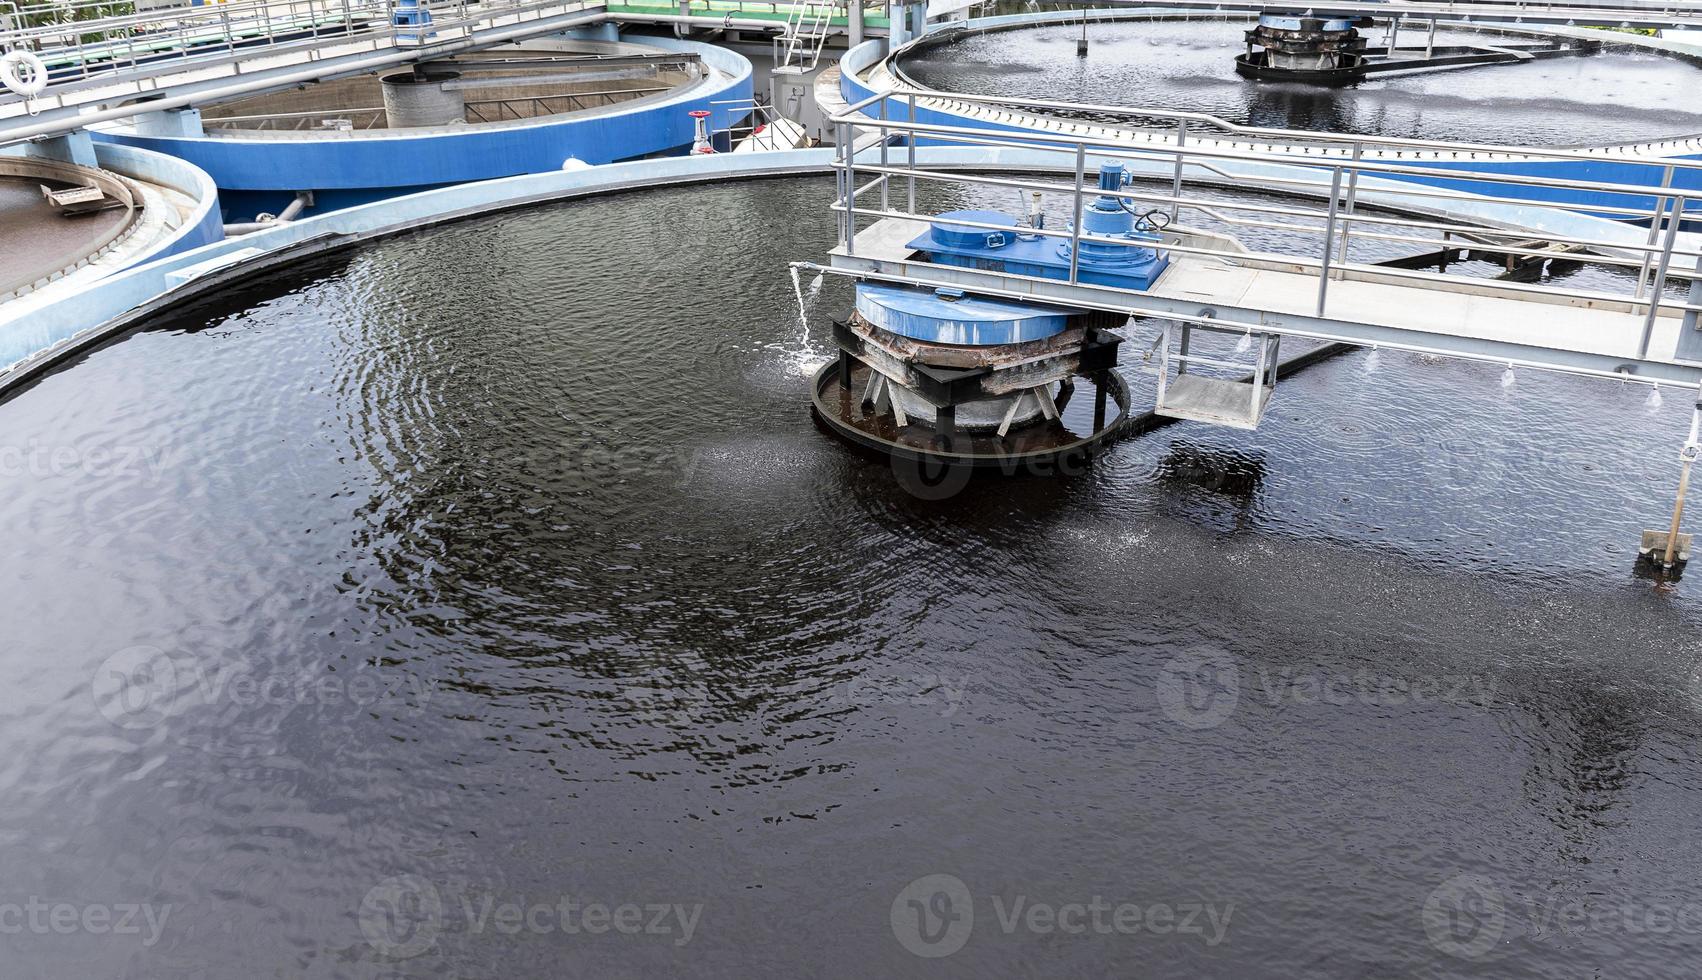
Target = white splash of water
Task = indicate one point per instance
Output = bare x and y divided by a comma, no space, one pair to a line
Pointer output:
803,310
805,360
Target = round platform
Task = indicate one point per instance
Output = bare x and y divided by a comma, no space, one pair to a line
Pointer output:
942,317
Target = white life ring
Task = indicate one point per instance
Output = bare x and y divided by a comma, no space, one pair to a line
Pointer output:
31,81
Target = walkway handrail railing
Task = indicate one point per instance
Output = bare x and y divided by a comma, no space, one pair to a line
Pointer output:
1350,182
1600,13
162,40
1342,142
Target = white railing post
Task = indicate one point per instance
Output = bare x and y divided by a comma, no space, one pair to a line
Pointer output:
847,140
1329,237
1075,226
1674,219
886,204
1352,196
1654,231
910,141
1176,178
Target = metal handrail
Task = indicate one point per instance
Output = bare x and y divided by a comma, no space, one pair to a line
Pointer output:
1337,178
163,39
1266,140
1191,159
576,99
268,120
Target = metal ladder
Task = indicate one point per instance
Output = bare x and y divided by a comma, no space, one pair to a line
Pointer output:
798,50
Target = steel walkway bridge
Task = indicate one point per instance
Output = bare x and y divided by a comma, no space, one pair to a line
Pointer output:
1638,321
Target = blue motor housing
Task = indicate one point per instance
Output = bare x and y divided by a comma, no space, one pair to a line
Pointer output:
1108,217
1007,247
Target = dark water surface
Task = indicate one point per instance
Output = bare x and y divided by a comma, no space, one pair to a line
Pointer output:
1188,65
483,603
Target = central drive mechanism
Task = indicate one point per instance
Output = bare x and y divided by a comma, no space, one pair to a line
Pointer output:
945,376
1305,48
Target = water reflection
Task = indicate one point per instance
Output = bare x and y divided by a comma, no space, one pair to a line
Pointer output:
642,635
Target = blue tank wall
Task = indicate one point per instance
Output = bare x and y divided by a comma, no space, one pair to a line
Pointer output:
360,167
204,225
1648,174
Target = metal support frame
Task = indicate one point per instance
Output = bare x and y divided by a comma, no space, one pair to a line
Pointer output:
1260,376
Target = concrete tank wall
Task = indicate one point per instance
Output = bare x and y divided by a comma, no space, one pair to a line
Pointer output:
422,100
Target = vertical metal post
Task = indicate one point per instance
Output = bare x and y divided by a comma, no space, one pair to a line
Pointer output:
1163,363
1176,178
1694,298
1688,455
1352,192
848,156
1430,42
1329,237
1654,229
1678,513
910,141
1673,221
1075,226
886,201
1258,378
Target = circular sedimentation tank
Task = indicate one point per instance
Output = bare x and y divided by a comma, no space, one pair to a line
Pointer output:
494,86
64,225
1187,64
496,562
497,112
